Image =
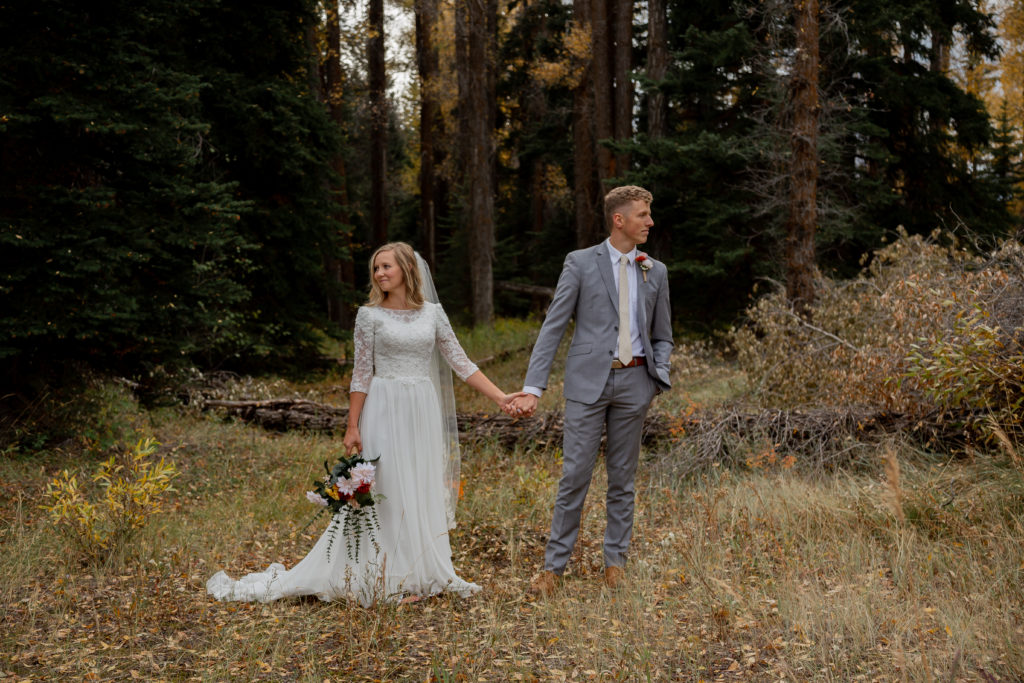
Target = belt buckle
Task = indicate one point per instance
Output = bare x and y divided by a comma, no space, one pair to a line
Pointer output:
617,364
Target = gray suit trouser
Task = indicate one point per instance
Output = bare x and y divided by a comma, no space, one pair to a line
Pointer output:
622,407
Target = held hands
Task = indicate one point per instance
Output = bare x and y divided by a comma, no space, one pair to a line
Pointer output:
506,402
520,404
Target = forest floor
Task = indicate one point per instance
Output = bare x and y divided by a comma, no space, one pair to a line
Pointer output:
766,572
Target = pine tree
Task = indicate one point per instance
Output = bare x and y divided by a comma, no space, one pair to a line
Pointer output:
162,184
1006,170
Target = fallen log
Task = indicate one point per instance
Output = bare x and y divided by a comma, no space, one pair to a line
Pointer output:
700,438
542,430
284,414
523,288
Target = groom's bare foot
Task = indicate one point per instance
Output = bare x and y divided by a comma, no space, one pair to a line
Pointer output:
544,584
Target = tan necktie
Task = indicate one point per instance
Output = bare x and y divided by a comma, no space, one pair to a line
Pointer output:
625,342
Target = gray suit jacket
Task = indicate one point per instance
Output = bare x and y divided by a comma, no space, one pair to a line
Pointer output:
586,289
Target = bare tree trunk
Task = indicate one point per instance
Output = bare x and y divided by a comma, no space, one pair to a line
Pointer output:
800,261
604,107
939,64
479,152
939,57
378,121
623,62
428,66
535,103
340,271
585,187
491,63
462,76
657,66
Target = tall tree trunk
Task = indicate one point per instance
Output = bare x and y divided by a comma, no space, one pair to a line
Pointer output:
800,261
604,107
938,63
657,67
462,77
428,65
491,62
939,56
589,223
378,121
340,270
535,104
479,152
622,60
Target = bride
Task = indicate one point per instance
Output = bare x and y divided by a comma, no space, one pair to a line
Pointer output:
401,408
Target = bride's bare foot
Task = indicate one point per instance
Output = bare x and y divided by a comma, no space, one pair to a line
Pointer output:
409,599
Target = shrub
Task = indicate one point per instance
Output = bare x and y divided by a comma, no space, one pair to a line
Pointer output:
977,374
924,328
100,520
85,413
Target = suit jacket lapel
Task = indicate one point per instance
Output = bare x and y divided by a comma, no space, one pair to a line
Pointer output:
604,266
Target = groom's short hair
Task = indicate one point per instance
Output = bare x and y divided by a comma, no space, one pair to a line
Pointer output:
620,196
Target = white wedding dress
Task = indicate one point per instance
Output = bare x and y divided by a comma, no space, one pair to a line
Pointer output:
402,423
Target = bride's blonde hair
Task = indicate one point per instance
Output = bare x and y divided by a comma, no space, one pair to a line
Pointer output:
405,257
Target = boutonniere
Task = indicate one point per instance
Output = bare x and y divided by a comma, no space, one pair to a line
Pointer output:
644,263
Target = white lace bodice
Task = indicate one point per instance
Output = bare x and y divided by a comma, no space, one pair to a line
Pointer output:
399,344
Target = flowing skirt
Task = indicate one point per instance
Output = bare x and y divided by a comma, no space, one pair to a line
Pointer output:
401,423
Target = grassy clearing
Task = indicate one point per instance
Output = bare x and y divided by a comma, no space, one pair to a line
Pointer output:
741,574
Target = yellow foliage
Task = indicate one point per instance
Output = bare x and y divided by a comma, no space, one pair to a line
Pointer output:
574,57
131,487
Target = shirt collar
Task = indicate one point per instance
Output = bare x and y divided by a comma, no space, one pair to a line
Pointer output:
615,253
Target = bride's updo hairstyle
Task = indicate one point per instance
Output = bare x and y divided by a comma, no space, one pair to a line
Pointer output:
405,257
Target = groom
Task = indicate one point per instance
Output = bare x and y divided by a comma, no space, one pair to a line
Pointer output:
617,361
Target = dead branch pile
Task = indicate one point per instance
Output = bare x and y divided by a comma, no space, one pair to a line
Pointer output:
817,438
821,437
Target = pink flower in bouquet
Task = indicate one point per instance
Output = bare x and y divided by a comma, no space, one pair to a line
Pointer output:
346,487
316,499
363,473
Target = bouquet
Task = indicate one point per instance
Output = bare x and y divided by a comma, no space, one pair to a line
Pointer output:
347,492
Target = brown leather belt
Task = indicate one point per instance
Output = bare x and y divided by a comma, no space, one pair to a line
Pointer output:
637,360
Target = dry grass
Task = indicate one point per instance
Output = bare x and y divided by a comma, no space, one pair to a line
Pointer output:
753,572
755,575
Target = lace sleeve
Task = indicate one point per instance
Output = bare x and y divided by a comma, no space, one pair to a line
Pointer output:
450,348
362,338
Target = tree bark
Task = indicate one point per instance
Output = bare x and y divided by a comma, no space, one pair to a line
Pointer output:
476,101
340,271
427,62
800,260
622,60
378,121
604,106
585,186
657,67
